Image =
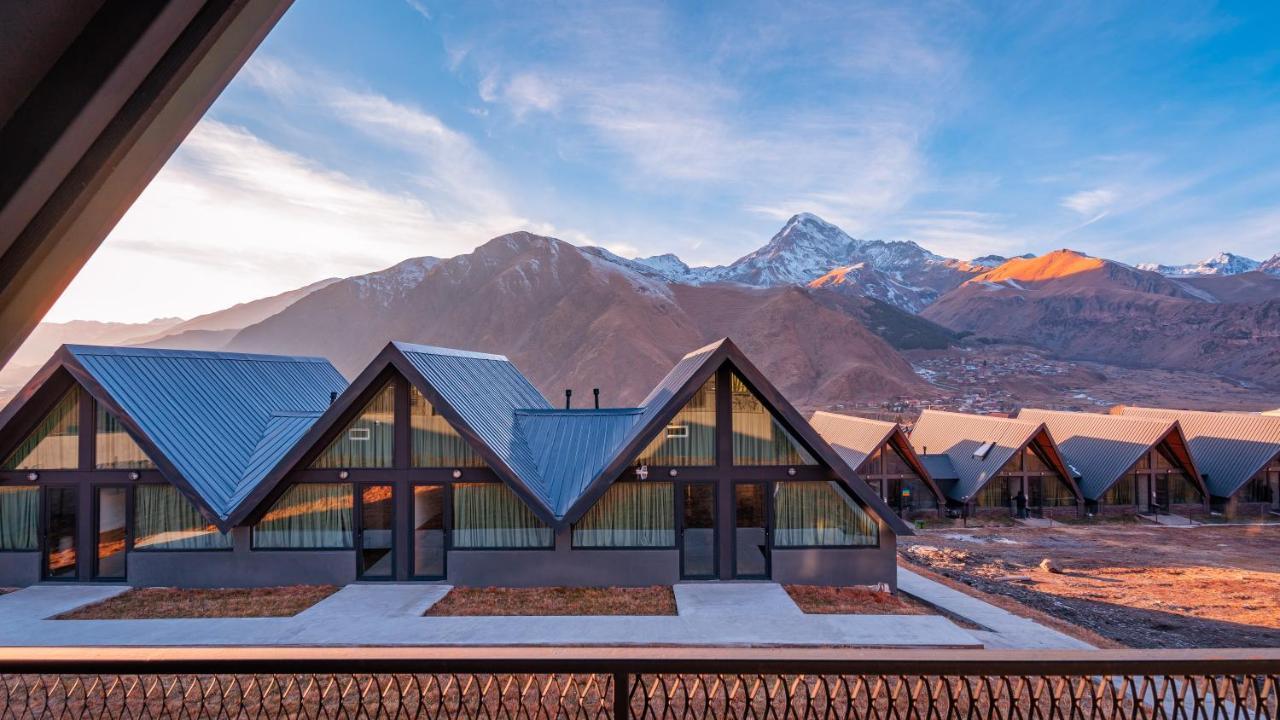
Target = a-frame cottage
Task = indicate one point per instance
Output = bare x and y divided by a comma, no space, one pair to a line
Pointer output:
445,465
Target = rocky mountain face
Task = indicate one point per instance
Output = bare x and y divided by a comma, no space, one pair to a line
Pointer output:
828,314
570,317
1089,308
1224,263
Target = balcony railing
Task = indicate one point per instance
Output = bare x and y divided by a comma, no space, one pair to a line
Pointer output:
635,683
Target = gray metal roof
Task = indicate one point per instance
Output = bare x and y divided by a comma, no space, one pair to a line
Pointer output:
854,438
216,417
1100,447
940,468
1229,448
572,447
486,391
958,435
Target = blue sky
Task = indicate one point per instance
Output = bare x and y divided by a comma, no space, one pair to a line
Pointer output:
362,133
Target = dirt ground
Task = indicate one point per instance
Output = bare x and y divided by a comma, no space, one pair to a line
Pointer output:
144,603
1141,586
654,600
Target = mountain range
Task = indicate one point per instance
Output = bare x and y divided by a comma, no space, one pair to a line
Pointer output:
833,318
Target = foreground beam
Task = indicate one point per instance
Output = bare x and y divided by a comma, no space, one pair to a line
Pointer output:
102,96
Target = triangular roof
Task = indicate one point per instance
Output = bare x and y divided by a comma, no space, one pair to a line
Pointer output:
210,421
857,438
558,461
960,435
1228,448
1103,447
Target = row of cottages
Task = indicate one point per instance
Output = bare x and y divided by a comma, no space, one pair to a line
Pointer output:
181,468
1125,465
1237,454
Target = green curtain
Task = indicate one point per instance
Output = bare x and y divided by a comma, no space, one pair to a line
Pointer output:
1056,492
19,517
1123,492
367,442
630,514
690,438
308,516
55,443
163,519
489,515
435,442
819,513
758,437
115,448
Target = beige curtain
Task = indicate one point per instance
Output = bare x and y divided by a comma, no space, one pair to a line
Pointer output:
55,443
435,442
308,516
758,437
690,438
115,448
819,513
630,514
489,515
19,517
367,442
163,519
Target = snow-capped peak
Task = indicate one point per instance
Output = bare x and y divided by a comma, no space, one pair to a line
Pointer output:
1224,263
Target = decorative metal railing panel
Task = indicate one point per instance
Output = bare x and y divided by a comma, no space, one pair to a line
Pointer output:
657,683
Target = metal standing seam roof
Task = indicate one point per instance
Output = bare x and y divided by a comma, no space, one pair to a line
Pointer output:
854,438
958,435
1100,447
1228,448
572,447
218,418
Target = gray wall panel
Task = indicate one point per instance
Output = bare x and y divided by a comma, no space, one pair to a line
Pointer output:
19,569
821,566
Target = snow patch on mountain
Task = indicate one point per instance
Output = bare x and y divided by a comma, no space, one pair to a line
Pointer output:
1224,263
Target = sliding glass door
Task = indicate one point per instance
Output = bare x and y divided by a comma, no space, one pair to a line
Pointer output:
698,530
60,522
750,530
428,532
111,504
375,532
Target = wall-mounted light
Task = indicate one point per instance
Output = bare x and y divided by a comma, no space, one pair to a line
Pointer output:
791,472
133,475
456,473
33,476
343,474
642,472
673,472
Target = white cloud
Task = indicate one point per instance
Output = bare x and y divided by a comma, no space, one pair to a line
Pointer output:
419,7
1090,203
527,91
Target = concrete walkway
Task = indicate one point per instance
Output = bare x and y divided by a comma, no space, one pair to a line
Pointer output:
1003,629
1170,520
759,614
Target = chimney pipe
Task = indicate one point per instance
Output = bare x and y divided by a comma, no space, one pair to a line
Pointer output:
596,392
568,397
333,395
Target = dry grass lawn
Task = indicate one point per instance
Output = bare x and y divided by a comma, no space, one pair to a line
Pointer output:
1140,586
835,600
152,603
655,600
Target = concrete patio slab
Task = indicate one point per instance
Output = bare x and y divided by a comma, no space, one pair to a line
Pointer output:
45,601
758,614
1003,628
370,600
754,599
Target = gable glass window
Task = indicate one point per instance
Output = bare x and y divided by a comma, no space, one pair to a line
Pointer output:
164,519
1123,492
758,437
115,449
994,494
435,442
1055,492
19,517
819,513
367,441
310,516
690,438
630,514
55,443
491,516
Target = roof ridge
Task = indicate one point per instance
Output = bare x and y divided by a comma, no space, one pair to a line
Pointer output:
79,349
451,352
579,411
856,418
1166,422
